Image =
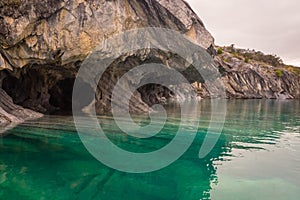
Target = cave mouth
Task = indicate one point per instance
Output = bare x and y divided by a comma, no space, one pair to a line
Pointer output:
61,95
153,94
51,92
47,90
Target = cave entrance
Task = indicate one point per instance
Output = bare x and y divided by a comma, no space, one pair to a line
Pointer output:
43,89
61,95
155,94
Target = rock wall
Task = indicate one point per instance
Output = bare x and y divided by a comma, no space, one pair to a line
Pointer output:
43,42
251,79
63,32
11,113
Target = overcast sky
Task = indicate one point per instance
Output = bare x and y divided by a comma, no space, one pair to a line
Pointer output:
272,26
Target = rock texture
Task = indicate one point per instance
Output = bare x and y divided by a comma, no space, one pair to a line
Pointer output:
43,43
63,32
253,79
11,113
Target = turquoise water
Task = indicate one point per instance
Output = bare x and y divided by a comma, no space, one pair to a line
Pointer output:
256,157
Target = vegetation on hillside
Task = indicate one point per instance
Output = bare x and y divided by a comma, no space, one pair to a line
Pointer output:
273,60
278,73
252,56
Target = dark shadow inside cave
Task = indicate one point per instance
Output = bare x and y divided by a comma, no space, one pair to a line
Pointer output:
44,89
61,94
155,94
9,84
49,89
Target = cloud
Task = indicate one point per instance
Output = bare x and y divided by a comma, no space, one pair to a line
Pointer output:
272,26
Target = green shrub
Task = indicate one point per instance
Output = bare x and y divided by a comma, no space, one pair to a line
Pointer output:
246,60
220,50
278,73
228,59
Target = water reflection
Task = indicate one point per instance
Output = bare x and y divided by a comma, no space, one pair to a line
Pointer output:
45,158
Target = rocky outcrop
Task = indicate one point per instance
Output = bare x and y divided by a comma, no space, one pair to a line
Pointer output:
43,43
253,79
11,113
63,32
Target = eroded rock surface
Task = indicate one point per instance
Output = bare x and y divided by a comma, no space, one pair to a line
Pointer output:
62,32
44,42
253,79
11,113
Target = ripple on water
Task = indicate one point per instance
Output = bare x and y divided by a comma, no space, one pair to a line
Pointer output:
256,157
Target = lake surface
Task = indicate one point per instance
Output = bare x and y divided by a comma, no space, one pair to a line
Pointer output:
256,157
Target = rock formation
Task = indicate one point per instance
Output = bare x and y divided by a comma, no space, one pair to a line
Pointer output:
259,77
63,32
43,43
11,113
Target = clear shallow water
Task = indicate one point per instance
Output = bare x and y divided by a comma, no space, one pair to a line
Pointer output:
256,157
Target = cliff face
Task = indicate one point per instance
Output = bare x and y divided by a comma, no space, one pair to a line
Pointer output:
253,75
11,113
43,42
63,32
